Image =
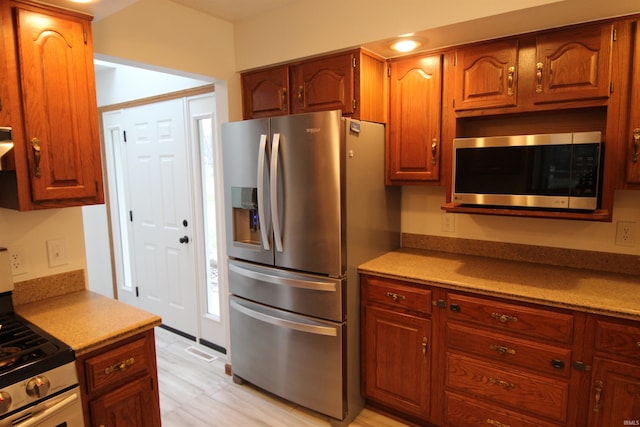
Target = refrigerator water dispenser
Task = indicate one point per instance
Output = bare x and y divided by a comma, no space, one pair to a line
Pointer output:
246,228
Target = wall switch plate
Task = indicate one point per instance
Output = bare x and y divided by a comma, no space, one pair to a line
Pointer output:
18,260
625,233
57,252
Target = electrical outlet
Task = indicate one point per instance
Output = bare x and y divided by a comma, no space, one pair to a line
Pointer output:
57,252
448,222
18,260
625,233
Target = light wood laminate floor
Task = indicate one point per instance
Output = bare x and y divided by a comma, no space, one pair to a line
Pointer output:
197,393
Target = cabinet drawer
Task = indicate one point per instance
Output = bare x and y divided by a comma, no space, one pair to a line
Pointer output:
117,365
394,293
521,390
505,349
618,338
502,316
464,412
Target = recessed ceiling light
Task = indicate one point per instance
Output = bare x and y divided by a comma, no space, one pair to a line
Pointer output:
405,45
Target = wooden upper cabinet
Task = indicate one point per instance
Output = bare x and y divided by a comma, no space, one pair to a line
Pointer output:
59,106
414,144
324,84
632,135
352,82
486,75
52,106
265,93
525,73
572,65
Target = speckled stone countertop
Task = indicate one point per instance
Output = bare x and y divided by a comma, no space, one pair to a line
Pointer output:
86,320
591,291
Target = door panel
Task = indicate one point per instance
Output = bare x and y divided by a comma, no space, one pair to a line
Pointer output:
165,267
310,188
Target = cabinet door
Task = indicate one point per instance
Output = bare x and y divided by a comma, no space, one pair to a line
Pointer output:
486,75
633,144
324,84
573,65
265,93
132,405
397,360
59,106
414,119
615,394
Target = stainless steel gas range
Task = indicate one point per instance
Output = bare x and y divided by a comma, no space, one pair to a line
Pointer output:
38,380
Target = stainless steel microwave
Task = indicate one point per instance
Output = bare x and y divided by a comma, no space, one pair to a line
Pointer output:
549,171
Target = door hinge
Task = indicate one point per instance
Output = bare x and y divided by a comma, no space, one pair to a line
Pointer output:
581,366
355,104
615,35
137,292
131,216
453,103
440,303
455,60
389,71
611,87
124,135
84,35
354,62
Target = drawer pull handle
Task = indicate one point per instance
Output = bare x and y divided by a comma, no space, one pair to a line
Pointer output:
539,67
396,297
502,349
636,143
503,318
120,366
37,154
507,385
510,72
599,384
496,423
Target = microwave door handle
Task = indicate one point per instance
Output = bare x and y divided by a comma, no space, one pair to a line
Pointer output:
275,215
43,415
261,211
284,323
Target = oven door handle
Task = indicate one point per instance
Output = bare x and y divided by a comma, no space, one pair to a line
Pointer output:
42,415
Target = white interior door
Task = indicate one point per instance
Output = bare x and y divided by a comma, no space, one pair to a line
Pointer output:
161,213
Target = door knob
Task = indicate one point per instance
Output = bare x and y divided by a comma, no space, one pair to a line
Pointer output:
184,240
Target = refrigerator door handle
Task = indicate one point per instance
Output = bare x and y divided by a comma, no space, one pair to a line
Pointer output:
302,327
285,281
261,214
275,215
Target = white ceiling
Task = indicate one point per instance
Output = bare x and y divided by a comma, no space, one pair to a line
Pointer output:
229,10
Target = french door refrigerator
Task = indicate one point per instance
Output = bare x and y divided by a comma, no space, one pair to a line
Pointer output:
305,205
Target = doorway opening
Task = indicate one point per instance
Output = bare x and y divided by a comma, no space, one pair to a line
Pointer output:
179,274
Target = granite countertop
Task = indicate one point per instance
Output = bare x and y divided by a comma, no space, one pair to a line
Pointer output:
591,291
86,320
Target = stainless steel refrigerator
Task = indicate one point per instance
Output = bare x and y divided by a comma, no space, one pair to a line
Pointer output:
305,205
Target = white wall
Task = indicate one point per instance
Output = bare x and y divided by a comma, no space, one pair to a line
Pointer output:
31,230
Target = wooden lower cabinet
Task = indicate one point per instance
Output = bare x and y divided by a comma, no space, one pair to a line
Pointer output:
119,384
464,412
615,381
396,347
491,361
